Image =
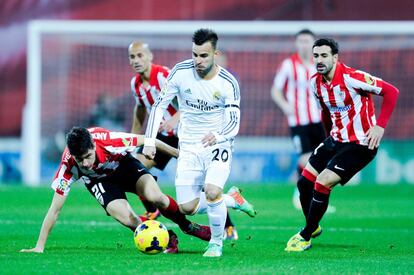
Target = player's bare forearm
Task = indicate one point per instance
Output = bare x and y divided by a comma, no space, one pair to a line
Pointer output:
169,125
48,223
281,102
138,119
166,149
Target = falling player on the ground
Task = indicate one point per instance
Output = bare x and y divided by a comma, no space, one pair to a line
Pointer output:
145,87
209,100
100,159
344,95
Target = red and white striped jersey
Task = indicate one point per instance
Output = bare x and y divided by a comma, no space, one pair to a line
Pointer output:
111,147
348,99
146,96
293,79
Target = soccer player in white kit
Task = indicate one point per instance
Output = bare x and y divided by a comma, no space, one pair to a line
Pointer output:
209,103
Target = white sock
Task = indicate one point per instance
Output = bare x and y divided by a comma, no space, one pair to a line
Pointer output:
229,201
202,204
217,213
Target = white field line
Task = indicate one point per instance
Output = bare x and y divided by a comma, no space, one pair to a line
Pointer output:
252,227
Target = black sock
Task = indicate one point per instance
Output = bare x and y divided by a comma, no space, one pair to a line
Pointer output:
305,188
228,220
317,209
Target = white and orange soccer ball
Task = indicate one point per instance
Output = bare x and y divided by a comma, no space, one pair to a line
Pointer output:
151,237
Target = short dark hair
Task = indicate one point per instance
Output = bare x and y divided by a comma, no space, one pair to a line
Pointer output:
305,31
79,141
201,36
327,42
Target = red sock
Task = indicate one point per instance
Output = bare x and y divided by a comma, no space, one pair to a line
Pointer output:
173,213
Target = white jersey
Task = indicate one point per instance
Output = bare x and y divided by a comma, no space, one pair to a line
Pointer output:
205,105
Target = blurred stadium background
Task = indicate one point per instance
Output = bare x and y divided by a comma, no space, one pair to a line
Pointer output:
85,76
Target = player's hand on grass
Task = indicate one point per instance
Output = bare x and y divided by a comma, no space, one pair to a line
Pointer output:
375,134
33,250
209,139
149,152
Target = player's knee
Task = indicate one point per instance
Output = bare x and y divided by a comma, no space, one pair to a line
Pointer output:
328,179
213,192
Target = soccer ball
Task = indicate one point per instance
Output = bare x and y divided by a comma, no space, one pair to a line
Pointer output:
151,237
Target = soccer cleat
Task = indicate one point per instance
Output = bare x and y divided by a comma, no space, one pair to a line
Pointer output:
230,233
241,203
172,247
152,215
297,244
213,250
317,232
202,232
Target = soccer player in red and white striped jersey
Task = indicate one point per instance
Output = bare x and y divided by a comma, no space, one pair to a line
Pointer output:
292,94
100,159
344,95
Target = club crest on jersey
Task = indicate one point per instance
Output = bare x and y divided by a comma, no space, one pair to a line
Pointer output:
217,95
127,142
369,79
342,94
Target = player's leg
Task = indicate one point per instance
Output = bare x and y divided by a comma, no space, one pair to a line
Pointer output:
348,160
160,162
217,161
151,211
121,211
217,212
113,199
317,162
149,189
302,161
325,181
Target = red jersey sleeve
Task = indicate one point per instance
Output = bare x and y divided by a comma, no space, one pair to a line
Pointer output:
64,176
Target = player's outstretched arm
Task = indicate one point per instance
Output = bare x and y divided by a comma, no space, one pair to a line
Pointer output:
166,149
48,223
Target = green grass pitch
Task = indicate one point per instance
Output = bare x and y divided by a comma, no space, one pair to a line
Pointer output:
372,231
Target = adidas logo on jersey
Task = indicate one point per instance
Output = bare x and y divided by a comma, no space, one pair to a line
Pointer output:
188,91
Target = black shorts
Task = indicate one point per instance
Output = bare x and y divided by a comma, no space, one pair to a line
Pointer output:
114,186
307,137
345,159
161,160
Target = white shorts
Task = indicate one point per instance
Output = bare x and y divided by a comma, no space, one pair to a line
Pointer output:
197,166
